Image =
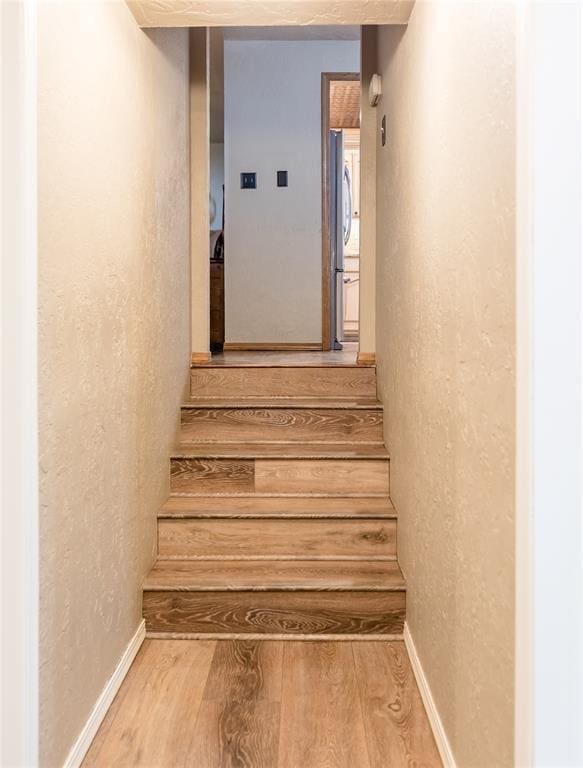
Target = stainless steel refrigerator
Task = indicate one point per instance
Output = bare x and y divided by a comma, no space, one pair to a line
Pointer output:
340,207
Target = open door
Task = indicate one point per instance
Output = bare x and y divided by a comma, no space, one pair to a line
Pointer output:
336,167
340,231
339,112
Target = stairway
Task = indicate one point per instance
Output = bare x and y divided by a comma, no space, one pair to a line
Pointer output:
279,522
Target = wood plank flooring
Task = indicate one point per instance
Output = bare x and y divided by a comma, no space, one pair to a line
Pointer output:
321,697
265,507
279,510
334,382
334,476
323,612
346,356
261,575
270,704
242,424
307,539
343,403
284,451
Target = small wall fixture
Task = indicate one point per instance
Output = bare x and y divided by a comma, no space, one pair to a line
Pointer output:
249,180
375,90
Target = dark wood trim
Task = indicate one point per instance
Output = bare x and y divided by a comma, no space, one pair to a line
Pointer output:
327,78
271,346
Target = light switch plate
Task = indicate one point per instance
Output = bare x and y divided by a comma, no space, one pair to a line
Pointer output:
249,180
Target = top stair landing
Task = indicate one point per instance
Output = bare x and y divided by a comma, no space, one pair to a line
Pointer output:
333,358
246,376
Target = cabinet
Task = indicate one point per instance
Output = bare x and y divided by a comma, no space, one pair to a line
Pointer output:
217,305
351,297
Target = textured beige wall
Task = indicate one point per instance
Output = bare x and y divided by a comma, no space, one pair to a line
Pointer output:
113,334
368,211
445,346
199,104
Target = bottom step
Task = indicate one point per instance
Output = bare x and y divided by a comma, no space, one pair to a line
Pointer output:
306,604
271,636
290,613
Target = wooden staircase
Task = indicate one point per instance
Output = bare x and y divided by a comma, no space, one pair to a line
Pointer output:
279,522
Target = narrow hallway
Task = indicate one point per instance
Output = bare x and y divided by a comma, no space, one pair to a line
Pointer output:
246,549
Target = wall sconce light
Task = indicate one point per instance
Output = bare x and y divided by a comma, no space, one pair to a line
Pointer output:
375,90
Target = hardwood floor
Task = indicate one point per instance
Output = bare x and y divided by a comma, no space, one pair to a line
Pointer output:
322,612
306,539
347,473
346,356
234,382
278,508
278,424
321,707
269,704
276,579
260,575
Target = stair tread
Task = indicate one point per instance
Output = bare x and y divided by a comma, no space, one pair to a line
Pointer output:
260,360
289,450
278,507
274,575
322,403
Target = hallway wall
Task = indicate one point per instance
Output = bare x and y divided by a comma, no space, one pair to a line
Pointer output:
368,204
445,351
273,236
113,334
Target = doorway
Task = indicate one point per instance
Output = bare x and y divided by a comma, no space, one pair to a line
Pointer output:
265,182
340,207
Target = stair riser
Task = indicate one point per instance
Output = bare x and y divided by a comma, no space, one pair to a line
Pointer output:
296,613
265,476
308,539
281,425
280,508
283,382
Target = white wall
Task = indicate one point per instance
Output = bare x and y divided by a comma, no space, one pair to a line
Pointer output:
552,345
273,236
19,452
217,179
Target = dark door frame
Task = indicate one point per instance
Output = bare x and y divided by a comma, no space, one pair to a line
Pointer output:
327,78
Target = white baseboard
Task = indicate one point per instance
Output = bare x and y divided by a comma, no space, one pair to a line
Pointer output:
434,720
81,746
